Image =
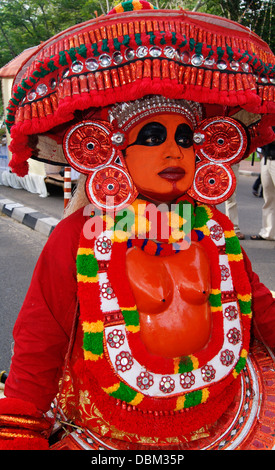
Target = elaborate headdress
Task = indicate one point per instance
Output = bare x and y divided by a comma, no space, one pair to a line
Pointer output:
128,55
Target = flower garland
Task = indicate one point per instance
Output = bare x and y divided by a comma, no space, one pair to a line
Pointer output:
110,322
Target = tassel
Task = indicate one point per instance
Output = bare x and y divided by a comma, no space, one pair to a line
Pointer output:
131,28
20,115
40,107
147,69
239,82
132,71
114,31
271,93
47,106
246,84
86,39
252,81
103,32
155,26
216,80
232,83
174,70
92,37
97,35
91,82
83,84
75,86
109,33
27,112
139,69
187,75
124,29
224,82
165,69
136,27
127,74
107,79
207,79
99,80
115,78
54,102
266,93
193,77
121,75
200,76
149,27
156,69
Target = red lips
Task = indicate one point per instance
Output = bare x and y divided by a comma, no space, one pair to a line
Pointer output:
173,173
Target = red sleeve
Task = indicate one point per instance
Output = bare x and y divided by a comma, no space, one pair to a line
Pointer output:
42,330
263,307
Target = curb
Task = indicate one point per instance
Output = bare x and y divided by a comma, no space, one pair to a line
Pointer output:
249,173
27,216
43,223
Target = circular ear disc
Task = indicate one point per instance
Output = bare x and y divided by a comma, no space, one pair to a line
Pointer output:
219,143
110,187
87,146
220,139
213,183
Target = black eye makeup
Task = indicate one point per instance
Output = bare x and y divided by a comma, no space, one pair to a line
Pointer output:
155,133
152,134
184,136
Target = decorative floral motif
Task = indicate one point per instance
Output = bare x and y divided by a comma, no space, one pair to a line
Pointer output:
87,145
140,383
124,361
216,232
231,312
187,379
213,182
145,380
167,384
227,357
115,339
107,291
224,272
234,336
103,244
208,373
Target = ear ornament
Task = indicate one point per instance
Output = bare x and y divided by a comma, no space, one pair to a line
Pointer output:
93,148
219,143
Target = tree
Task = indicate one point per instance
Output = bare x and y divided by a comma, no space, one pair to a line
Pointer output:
27,23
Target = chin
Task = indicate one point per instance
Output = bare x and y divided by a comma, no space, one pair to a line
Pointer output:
163,197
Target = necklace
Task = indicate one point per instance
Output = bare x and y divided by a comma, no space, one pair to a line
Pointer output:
110,320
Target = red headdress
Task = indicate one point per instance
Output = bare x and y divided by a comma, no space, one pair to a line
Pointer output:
128,55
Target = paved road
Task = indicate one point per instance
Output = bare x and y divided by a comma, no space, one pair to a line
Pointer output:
21,246
262,252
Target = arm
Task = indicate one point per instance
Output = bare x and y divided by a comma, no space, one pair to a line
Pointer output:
42,332
263,307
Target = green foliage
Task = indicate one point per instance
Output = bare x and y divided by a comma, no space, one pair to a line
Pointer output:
26,23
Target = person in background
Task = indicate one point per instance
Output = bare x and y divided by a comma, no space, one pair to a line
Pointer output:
267,231
231,206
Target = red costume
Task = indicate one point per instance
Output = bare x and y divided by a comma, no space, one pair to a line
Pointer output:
144,340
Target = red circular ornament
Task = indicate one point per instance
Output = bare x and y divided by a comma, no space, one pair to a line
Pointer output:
87,146
110,187
213,183
221,139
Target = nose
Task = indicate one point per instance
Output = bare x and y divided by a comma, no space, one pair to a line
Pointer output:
173,150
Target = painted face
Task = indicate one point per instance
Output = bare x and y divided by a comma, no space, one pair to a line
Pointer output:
160,157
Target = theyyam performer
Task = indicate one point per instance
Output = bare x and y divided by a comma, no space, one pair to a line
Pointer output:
144,326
